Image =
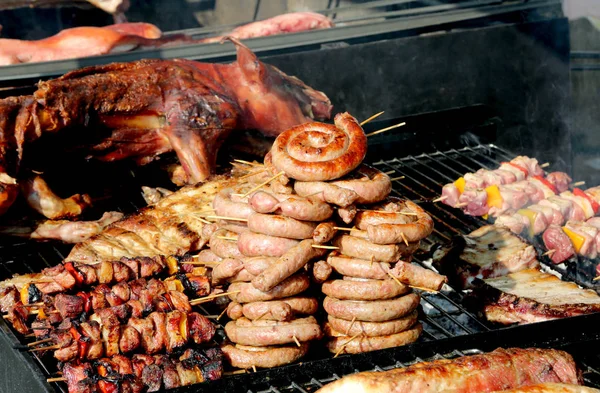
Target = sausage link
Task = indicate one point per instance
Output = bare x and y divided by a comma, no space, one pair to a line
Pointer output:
278,333
257,265
418,276
224,206
372,311
347,213
326,192
253,244
226,269
222,247
281,226
360,268
364,289
324,232
294,206
369,183
405,250
373,329
281,310
234,310
267,358
365,344
321,271
361,248
292,261
248,293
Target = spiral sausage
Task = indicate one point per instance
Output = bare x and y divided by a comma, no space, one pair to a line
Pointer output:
264,357
290,287
361,248
281,226
369,183
342,344
373,329
264,333
371,311
364,289
360,268
320,152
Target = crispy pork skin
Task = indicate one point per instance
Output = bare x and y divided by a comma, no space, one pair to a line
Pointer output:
532,296
487,252
497,370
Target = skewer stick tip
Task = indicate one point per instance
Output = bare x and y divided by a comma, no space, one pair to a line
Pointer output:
325,247
296,340
548,253
385,129
440,199
56,379
545,165
371,118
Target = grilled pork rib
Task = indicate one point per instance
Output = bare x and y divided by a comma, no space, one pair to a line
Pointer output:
155,106
532,296
497,370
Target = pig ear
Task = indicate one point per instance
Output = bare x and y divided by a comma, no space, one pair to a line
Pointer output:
251,67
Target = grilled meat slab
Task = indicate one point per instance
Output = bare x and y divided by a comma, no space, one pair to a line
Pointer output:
533,296
497,370
489,251
553,388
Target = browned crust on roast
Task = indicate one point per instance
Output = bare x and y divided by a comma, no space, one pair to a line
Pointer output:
349,146
344,344
371,311
271,357
373,329
364,289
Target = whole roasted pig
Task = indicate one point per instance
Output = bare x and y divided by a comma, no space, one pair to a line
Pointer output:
150,107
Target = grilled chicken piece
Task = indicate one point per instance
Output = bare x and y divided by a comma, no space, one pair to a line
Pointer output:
152,107
532,296
500,369
41,199
552,388
489,251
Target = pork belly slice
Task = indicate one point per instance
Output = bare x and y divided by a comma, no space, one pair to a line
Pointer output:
532,296
487,252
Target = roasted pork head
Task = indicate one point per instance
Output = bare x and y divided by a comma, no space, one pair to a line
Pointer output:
271,100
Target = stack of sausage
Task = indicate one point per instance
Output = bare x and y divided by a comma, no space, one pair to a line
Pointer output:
264,263
373,298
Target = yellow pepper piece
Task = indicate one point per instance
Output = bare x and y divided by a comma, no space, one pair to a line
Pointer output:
494,198
172,264
576,239
531,215
485,216
24,294
42,314
460,184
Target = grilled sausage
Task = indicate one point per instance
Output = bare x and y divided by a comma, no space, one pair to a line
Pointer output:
294,206
342,344
318,151
265,333
396,227
281,310
281,226
253,244
405,250
233,226
371,311
359,268
248,293
360,248
292,261
324,232
234,310
326,192
257,265
361,289
373,329
347,213
226,269
207,256
418,276
369,183
222,247
242,276
321,271
224,206
264,357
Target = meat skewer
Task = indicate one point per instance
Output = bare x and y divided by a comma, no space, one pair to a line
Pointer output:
574,238
519,168
133,298
142,372
105,336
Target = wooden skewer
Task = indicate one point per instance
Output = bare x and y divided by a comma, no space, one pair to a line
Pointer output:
371,118
264,183
389,172
38,304
578,183
344,345
235,372
395,279
325,247
397,178
253,368
247,162
50,348
596,278
209,263
296,340
440,199
404,238
262,315
211,316
222,313
388,212
30,335
252,174
343,229
36,343
386,129
56,379
424,289
207,298
549,252
351,324
461,204
545,165
227,238
227,218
